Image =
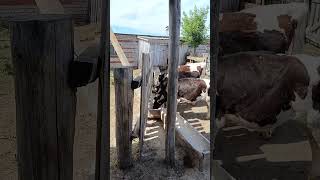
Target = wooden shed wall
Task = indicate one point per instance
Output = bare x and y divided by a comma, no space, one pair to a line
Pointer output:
229,5
159,52
79,9
129,45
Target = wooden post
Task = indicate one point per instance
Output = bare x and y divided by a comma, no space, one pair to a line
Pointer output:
42,49
174,34
103,117
214,51
124,115
145,95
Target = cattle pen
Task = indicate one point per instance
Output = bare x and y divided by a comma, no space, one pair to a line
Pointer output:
72,77
66,111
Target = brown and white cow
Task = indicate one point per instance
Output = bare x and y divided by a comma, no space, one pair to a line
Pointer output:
189,90
191,70
278,28
261,91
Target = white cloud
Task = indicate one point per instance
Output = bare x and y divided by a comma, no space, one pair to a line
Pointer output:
146,16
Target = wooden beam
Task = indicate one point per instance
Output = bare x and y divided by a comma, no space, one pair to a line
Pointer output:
103,117
116,45
42,49
174,35
214,51
124,115
50,6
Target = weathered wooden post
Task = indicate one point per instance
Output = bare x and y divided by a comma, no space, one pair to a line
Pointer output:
103,119
174,34
42,49
124,115
214,51
147,69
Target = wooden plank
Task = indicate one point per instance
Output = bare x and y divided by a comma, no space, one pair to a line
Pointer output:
174,34
214,51
118,49
311,15
145,95
124,115
199,150
42,48
50,7
196,145
103,115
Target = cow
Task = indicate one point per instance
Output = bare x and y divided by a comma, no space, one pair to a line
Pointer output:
191,70
311,104
256,29
256,91
189,90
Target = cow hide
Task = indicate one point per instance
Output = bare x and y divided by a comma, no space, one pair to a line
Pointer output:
256,28
257,87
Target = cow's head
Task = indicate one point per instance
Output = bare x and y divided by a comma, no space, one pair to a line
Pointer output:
289,26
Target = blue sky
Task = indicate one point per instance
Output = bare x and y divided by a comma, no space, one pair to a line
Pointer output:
146,16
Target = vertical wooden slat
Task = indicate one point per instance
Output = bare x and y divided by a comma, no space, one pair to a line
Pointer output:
124,115
143,108
311,15
42,49
174,35
95,10
214,51
147,71
103,117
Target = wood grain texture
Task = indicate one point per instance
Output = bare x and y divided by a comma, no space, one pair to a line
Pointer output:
174,34
103,117
214,51
42,48
145,95
124,115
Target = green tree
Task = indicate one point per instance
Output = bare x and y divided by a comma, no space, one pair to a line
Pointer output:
194,30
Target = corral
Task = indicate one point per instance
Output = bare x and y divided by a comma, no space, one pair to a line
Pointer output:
241,152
